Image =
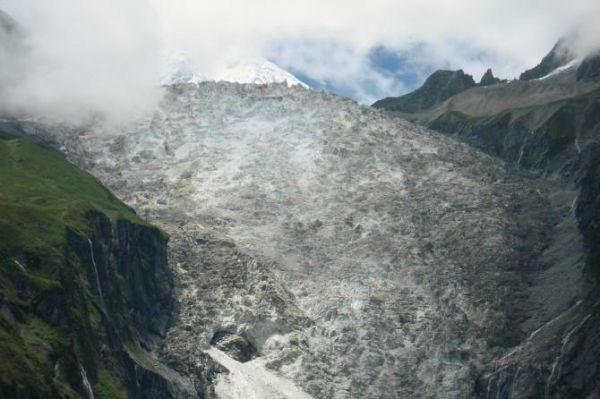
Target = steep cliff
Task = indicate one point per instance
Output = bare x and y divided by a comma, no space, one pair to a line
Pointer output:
559,55
85,292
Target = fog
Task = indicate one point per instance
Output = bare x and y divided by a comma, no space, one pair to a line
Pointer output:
81,57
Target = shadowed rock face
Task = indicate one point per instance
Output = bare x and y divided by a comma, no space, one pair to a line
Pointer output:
361,255
488,79
589,70
559,55
438,87
236,346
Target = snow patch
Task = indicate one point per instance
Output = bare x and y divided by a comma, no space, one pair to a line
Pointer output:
180,69
560,69
251,380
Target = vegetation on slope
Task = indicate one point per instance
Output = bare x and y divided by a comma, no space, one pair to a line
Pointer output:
54,325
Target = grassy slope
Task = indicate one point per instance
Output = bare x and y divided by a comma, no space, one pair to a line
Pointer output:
41,196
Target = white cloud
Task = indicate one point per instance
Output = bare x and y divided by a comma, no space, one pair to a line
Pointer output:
93,52
82,57
336,64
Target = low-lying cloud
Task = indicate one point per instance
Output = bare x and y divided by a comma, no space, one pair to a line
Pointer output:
104,55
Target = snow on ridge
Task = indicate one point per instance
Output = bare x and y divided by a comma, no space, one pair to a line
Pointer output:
574,62
180,69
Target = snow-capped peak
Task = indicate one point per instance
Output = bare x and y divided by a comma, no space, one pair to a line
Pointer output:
180,69
257,71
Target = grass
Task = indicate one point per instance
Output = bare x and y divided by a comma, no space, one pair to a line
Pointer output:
40,183
42,197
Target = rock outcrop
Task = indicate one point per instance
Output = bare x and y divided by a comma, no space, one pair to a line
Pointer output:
560,55
438,87
85,291
488,79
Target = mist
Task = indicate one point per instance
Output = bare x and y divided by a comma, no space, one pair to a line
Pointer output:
76,59
79,58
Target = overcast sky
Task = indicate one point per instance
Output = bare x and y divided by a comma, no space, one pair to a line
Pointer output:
89,51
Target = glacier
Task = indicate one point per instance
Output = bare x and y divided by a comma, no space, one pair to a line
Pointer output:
362,255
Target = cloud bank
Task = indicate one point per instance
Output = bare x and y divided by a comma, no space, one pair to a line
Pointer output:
105,55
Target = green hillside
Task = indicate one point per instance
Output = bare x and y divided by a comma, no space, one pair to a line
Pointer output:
55,325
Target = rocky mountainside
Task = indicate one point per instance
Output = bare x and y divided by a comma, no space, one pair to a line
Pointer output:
547,122
438,87
559,56
85,292
589,70
489,79
329,250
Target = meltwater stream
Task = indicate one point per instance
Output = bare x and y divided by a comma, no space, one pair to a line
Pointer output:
96,275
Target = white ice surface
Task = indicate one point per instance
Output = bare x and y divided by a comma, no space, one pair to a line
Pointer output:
560,69
180,69
251,380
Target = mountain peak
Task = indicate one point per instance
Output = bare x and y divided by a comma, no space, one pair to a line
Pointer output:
257,71
488,78
438,87
560,55
253,71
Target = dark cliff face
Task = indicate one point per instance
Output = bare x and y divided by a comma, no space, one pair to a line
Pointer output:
552,128
85,291
588,208
131,262
438,87
488,79
589,70
557,57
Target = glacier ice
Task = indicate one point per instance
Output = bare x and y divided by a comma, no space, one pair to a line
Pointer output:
363,256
